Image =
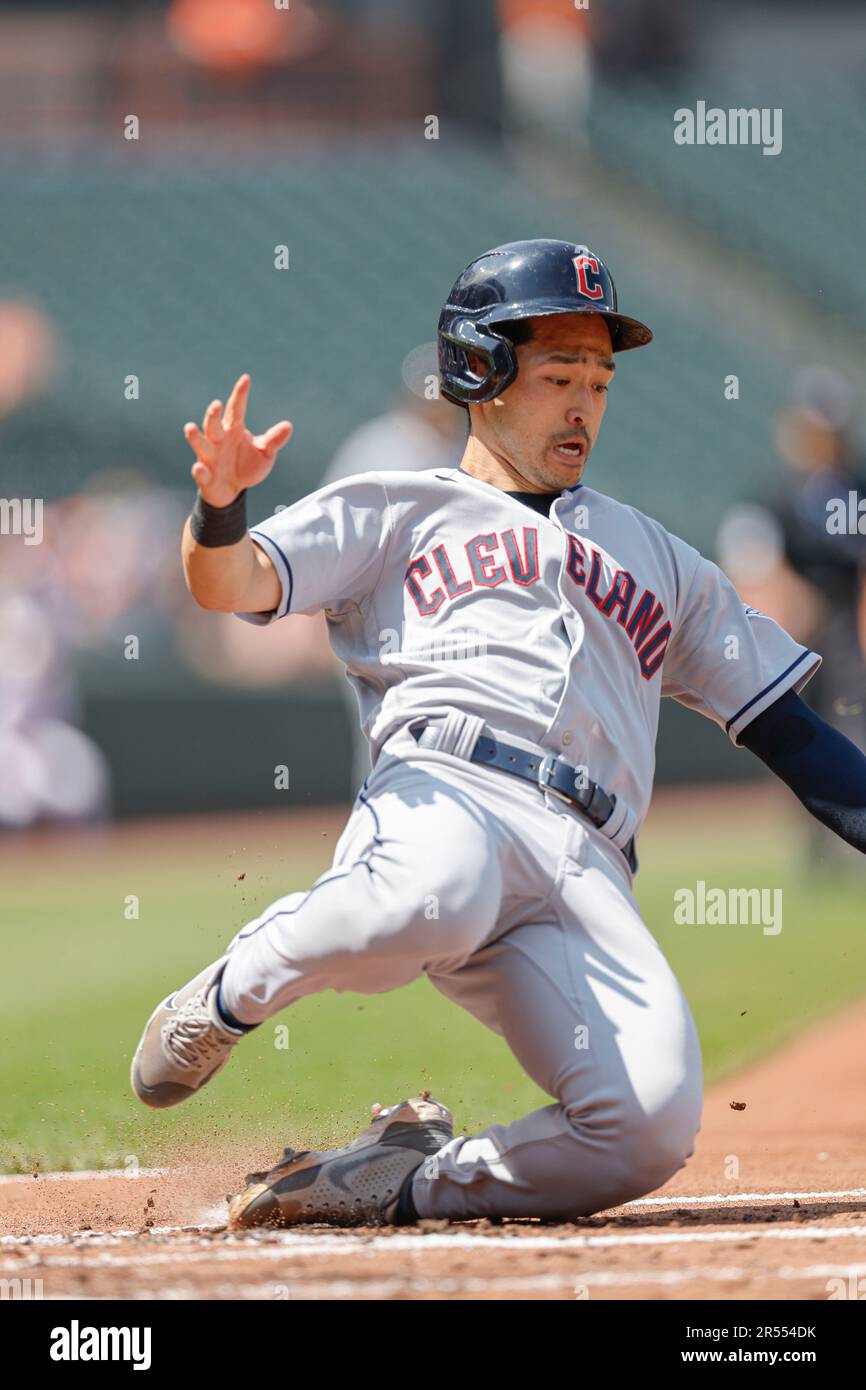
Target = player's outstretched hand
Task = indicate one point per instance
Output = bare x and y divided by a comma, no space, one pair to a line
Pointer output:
228,457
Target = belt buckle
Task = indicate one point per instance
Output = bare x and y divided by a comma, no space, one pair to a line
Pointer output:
545,772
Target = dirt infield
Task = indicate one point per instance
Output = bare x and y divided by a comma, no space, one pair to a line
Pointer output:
770,1207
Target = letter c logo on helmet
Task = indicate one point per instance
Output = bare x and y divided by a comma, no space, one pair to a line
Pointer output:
521,280
583,263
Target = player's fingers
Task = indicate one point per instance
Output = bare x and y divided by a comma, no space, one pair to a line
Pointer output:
237,402
274,438
201,475
213,428
196,441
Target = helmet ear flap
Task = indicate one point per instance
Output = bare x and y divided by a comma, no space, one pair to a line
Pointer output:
457,338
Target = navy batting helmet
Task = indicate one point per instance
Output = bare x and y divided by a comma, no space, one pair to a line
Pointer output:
521,280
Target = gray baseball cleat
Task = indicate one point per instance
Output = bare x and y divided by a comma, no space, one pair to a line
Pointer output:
358,1185
184,1044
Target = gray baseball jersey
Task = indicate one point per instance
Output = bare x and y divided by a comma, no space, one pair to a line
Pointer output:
448,598
442,591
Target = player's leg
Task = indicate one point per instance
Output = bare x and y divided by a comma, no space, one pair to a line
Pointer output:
415,882
415,885
594,1014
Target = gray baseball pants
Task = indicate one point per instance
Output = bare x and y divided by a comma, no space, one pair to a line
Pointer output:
519,910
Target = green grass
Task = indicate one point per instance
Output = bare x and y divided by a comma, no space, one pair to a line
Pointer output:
79,979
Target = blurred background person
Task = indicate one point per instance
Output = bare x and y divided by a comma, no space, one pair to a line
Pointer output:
103,571
787,557
421,429
49,769
100,591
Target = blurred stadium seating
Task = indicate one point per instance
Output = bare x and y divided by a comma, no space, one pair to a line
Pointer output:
170,275
800,214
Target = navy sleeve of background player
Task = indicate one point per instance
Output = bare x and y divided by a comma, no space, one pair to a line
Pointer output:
821,766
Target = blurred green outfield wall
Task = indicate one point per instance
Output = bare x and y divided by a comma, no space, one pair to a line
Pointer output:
216,750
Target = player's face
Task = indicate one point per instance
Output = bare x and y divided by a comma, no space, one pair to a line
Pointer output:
546,423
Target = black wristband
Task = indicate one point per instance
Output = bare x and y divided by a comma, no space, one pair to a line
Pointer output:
215,526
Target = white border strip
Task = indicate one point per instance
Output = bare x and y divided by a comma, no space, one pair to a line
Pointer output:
331,1240
96,1174
489,1287
711,1199
286,1246
85,1175
495,1286
739,1197
106,1237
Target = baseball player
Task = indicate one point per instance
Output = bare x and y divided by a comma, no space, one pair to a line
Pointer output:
510,632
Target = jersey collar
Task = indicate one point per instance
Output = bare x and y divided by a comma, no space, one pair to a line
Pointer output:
458,473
